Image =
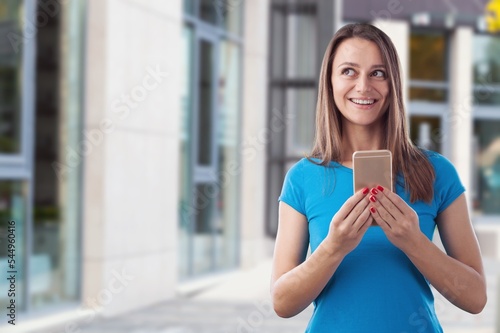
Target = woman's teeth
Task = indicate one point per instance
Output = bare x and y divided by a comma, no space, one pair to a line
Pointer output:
363,101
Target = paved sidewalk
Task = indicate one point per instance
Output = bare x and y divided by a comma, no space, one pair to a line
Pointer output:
241,304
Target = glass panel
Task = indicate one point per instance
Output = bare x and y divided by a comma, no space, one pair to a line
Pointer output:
428,57
226,217
205,114
427,94
486,96
230,14
203,238
426,132
12,231
10,76
185,213
278,44
208,10
487,166
277,123
55,258
188,6
486,62
302,37
300,129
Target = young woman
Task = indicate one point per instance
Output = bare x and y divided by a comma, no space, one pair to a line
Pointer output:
364,278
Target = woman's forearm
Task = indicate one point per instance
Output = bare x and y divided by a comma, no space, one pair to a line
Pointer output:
296,289
459,283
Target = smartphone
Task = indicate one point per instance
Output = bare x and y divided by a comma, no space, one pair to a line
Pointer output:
372,168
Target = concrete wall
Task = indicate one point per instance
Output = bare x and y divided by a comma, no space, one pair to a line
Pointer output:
131,176
399,32
254,123
459,119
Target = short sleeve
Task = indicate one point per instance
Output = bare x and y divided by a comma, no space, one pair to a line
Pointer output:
448,186
292,192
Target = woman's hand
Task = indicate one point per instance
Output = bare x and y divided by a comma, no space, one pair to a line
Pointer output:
398,220
349,224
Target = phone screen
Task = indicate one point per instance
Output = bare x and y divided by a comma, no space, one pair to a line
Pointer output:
372,168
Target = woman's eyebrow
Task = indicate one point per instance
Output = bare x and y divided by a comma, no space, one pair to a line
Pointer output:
352,64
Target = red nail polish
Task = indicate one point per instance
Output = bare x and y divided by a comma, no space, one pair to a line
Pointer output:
374,191
366,190
373,210
373,199
380,188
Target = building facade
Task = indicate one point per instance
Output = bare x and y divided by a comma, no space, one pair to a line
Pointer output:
143,144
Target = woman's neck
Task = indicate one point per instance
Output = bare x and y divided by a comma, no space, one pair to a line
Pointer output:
356,137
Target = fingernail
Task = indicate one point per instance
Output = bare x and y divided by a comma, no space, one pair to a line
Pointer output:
380,188
374,191
366,190
373,210
372,198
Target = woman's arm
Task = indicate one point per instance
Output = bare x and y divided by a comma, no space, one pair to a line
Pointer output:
457,274
295,283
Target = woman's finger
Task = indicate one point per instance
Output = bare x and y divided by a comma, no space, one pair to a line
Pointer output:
352,202
395,199
387,203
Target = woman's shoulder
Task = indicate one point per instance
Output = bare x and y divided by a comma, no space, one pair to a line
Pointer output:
438,161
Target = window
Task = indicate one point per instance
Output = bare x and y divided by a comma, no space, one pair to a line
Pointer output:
486,70
208,220
294,70
428,70
428,89
487,165
486,96
40,124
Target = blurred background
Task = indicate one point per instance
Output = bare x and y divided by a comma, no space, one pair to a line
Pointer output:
143,145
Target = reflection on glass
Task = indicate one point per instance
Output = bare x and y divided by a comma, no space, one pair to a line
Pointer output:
486,69
278,39
426,132
10,78
55,258
301,62
226,218
486,96
487,167
231,13
188,6
185,151
428,94
427,57
205,106
301,109
12,208
486,60
209,9
203,238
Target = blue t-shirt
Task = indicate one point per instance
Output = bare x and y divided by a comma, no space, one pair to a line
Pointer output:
376,288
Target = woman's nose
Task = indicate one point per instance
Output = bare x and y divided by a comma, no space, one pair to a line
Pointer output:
363,84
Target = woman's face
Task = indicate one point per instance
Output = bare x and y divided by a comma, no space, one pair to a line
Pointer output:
359,80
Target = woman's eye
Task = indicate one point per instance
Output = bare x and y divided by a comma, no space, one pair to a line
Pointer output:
348,72
378,73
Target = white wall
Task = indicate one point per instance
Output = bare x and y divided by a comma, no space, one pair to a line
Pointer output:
459,119
131,175
399,32
254,122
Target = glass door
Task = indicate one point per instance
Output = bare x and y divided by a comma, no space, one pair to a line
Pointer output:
208,226
205,156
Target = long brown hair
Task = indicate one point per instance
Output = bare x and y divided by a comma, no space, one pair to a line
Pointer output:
407,159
